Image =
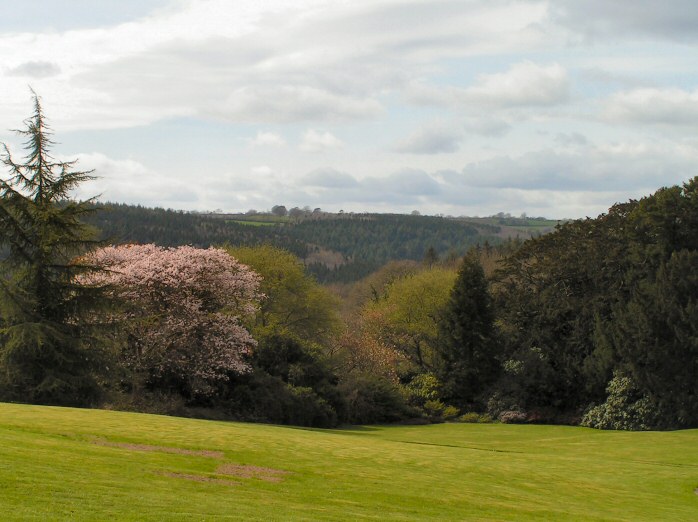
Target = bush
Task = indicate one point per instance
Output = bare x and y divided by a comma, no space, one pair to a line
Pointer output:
437,411
473,417
512,417
624,409
260,397
424,388
372,399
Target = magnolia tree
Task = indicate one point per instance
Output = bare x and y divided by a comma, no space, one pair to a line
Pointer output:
183,308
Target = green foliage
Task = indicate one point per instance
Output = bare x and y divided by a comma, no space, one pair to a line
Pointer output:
616,293
476,418
625,408
363,242
294,304
372,399
260,397
466,351
50,347
437,411
656,335
424,387
409,312
290,384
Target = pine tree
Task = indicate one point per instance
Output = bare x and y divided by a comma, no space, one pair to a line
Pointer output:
48,351
465,349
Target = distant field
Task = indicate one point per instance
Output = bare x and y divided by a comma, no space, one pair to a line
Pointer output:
260,219
70,464
253,223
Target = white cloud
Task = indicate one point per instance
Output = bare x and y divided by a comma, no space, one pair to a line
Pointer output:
290,103
316,141
262,170
432,139
668,19
630,166
654,106
258,61
328,178
120,180
267,139
524,84
35,69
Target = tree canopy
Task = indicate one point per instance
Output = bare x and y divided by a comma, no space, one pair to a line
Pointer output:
49,350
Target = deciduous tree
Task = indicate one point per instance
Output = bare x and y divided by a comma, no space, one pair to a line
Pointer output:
183,308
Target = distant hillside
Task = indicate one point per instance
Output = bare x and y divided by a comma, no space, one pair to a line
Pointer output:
336,247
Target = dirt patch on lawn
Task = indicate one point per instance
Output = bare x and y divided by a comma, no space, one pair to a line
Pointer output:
200,478
161,449
257,472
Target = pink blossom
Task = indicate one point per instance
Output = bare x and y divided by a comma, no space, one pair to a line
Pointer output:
183,311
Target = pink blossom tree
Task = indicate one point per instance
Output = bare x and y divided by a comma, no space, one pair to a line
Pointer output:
183,310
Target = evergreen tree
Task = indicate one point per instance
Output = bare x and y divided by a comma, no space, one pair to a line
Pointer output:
47,344
465,348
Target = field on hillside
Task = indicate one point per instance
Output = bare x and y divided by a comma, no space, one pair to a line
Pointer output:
70,464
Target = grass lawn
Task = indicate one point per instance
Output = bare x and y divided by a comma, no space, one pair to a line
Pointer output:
71,464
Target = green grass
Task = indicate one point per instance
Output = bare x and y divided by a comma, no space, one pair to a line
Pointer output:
67,464
254,223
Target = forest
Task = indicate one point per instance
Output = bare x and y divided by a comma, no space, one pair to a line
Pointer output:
594,323
335,247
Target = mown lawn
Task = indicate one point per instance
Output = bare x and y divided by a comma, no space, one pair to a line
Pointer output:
70,464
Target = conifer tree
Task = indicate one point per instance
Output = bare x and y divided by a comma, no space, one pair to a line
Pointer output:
467,362
47,348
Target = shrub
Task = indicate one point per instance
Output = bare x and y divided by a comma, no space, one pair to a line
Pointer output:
373,399
260,397
437,411
624,409
473,417
424,388
512,417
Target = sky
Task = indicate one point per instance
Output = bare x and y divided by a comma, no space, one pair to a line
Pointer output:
555,108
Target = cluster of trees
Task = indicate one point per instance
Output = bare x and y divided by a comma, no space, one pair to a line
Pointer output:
592,323
604,312
361,242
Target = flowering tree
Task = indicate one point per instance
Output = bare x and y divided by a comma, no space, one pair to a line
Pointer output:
183,310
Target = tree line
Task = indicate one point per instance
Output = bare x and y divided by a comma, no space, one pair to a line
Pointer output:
362,242
594,323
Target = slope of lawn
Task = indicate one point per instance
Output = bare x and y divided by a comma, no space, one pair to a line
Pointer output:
70,464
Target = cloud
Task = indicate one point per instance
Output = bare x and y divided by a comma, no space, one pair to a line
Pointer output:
669,19
573,139
329,178
262,170
270,139
35,69
292,103
489,125
120,180
618,167
524,84
432,139
316,141
260,62
670,107
405,182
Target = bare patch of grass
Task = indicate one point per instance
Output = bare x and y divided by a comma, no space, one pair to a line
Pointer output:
162,449
200,478
257,472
